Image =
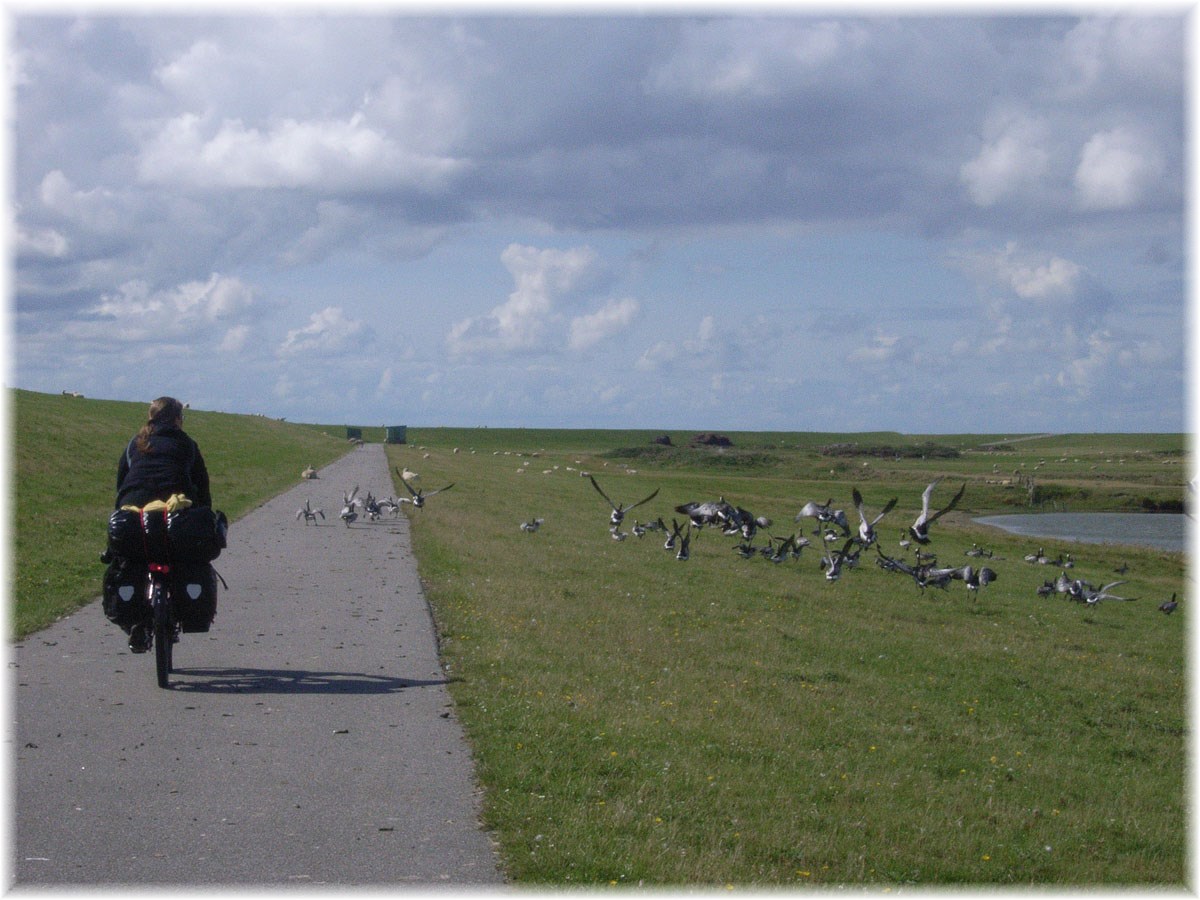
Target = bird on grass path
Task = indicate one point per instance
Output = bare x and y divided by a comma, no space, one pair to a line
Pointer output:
308,513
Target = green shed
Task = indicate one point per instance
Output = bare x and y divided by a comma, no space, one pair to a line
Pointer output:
353,434
397,434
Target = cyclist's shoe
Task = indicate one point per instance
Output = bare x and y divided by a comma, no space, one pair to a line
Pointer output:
140,638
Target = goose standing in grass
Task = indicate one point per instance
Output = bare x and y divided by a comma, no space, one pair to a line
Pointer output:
417,495
866,529
532,525
1168,606
619,510
920,528
308,513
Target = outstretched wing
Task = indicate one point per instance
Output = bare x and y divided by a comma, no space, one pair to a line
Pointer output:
643,500
887,508
949,506
592,479
408,487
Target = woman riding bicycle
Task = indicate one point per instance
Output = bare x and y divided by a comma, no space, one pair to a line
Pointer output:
160,461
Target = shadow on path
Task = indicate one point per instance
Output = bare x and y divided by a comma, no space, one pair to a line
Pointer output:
291,681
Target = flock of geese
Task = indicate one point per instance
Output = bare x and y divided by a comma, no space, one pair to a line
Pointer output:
372,507
841,545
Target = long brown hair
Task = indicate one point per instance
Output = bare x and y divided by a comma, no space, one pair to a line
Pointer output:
163,411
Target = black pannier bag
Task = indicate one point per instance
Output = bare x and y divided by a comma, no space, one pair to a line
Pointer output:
125,536
194,594
197,533
125,600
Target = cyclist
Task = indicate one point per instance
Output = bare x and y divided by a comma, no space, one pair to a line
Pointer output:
161,460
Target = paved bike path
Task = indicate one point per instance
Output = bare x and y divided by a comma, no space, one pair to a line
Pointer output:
308,738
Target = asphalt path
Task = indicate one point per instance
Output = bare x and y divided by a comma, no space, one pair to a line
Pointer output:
308,739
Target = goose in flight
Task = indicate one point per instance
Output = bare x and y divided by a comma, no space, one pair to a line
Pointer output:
532,525
824,513
708,512
976,578
1092,597
866,529
419,496
308,513
920,528
619,510
675,535
835,559
350,505
685,541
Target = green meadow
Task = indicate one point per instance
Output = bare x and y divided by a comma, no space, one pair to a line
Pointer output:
720,721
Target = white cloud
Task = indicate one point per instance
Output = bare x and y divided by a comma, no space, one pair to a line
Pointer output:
183,312
1083,373
235,339
883,348
327,332
47,242
318,154
1012,159
612,318
690,351
522,323
1027,275
94,210
1116,168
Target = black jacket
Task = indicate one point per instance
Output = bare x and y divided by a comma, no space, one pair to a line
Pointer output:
173,465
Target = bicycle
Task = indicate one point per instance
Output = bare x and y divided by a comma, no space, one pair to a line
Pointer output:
165,626
151,556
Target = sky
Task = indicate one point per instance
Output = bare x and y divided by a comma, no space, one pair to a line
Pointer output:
784,220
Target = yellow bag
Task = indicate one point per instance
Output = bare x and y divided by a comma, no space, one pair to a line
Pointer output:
174,503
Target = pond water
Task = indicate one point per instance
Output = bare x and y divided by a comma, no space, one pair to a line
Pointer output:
1163,531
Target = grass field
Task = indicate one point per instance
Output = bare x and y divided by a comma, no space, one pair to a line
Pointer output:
641,720
724,721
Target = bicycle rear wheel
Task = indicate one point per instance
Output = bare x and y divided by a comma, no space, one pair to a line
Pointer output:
163,634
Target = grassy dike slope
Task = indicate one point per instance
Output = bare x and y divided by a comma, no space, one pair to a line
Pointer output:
65,453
